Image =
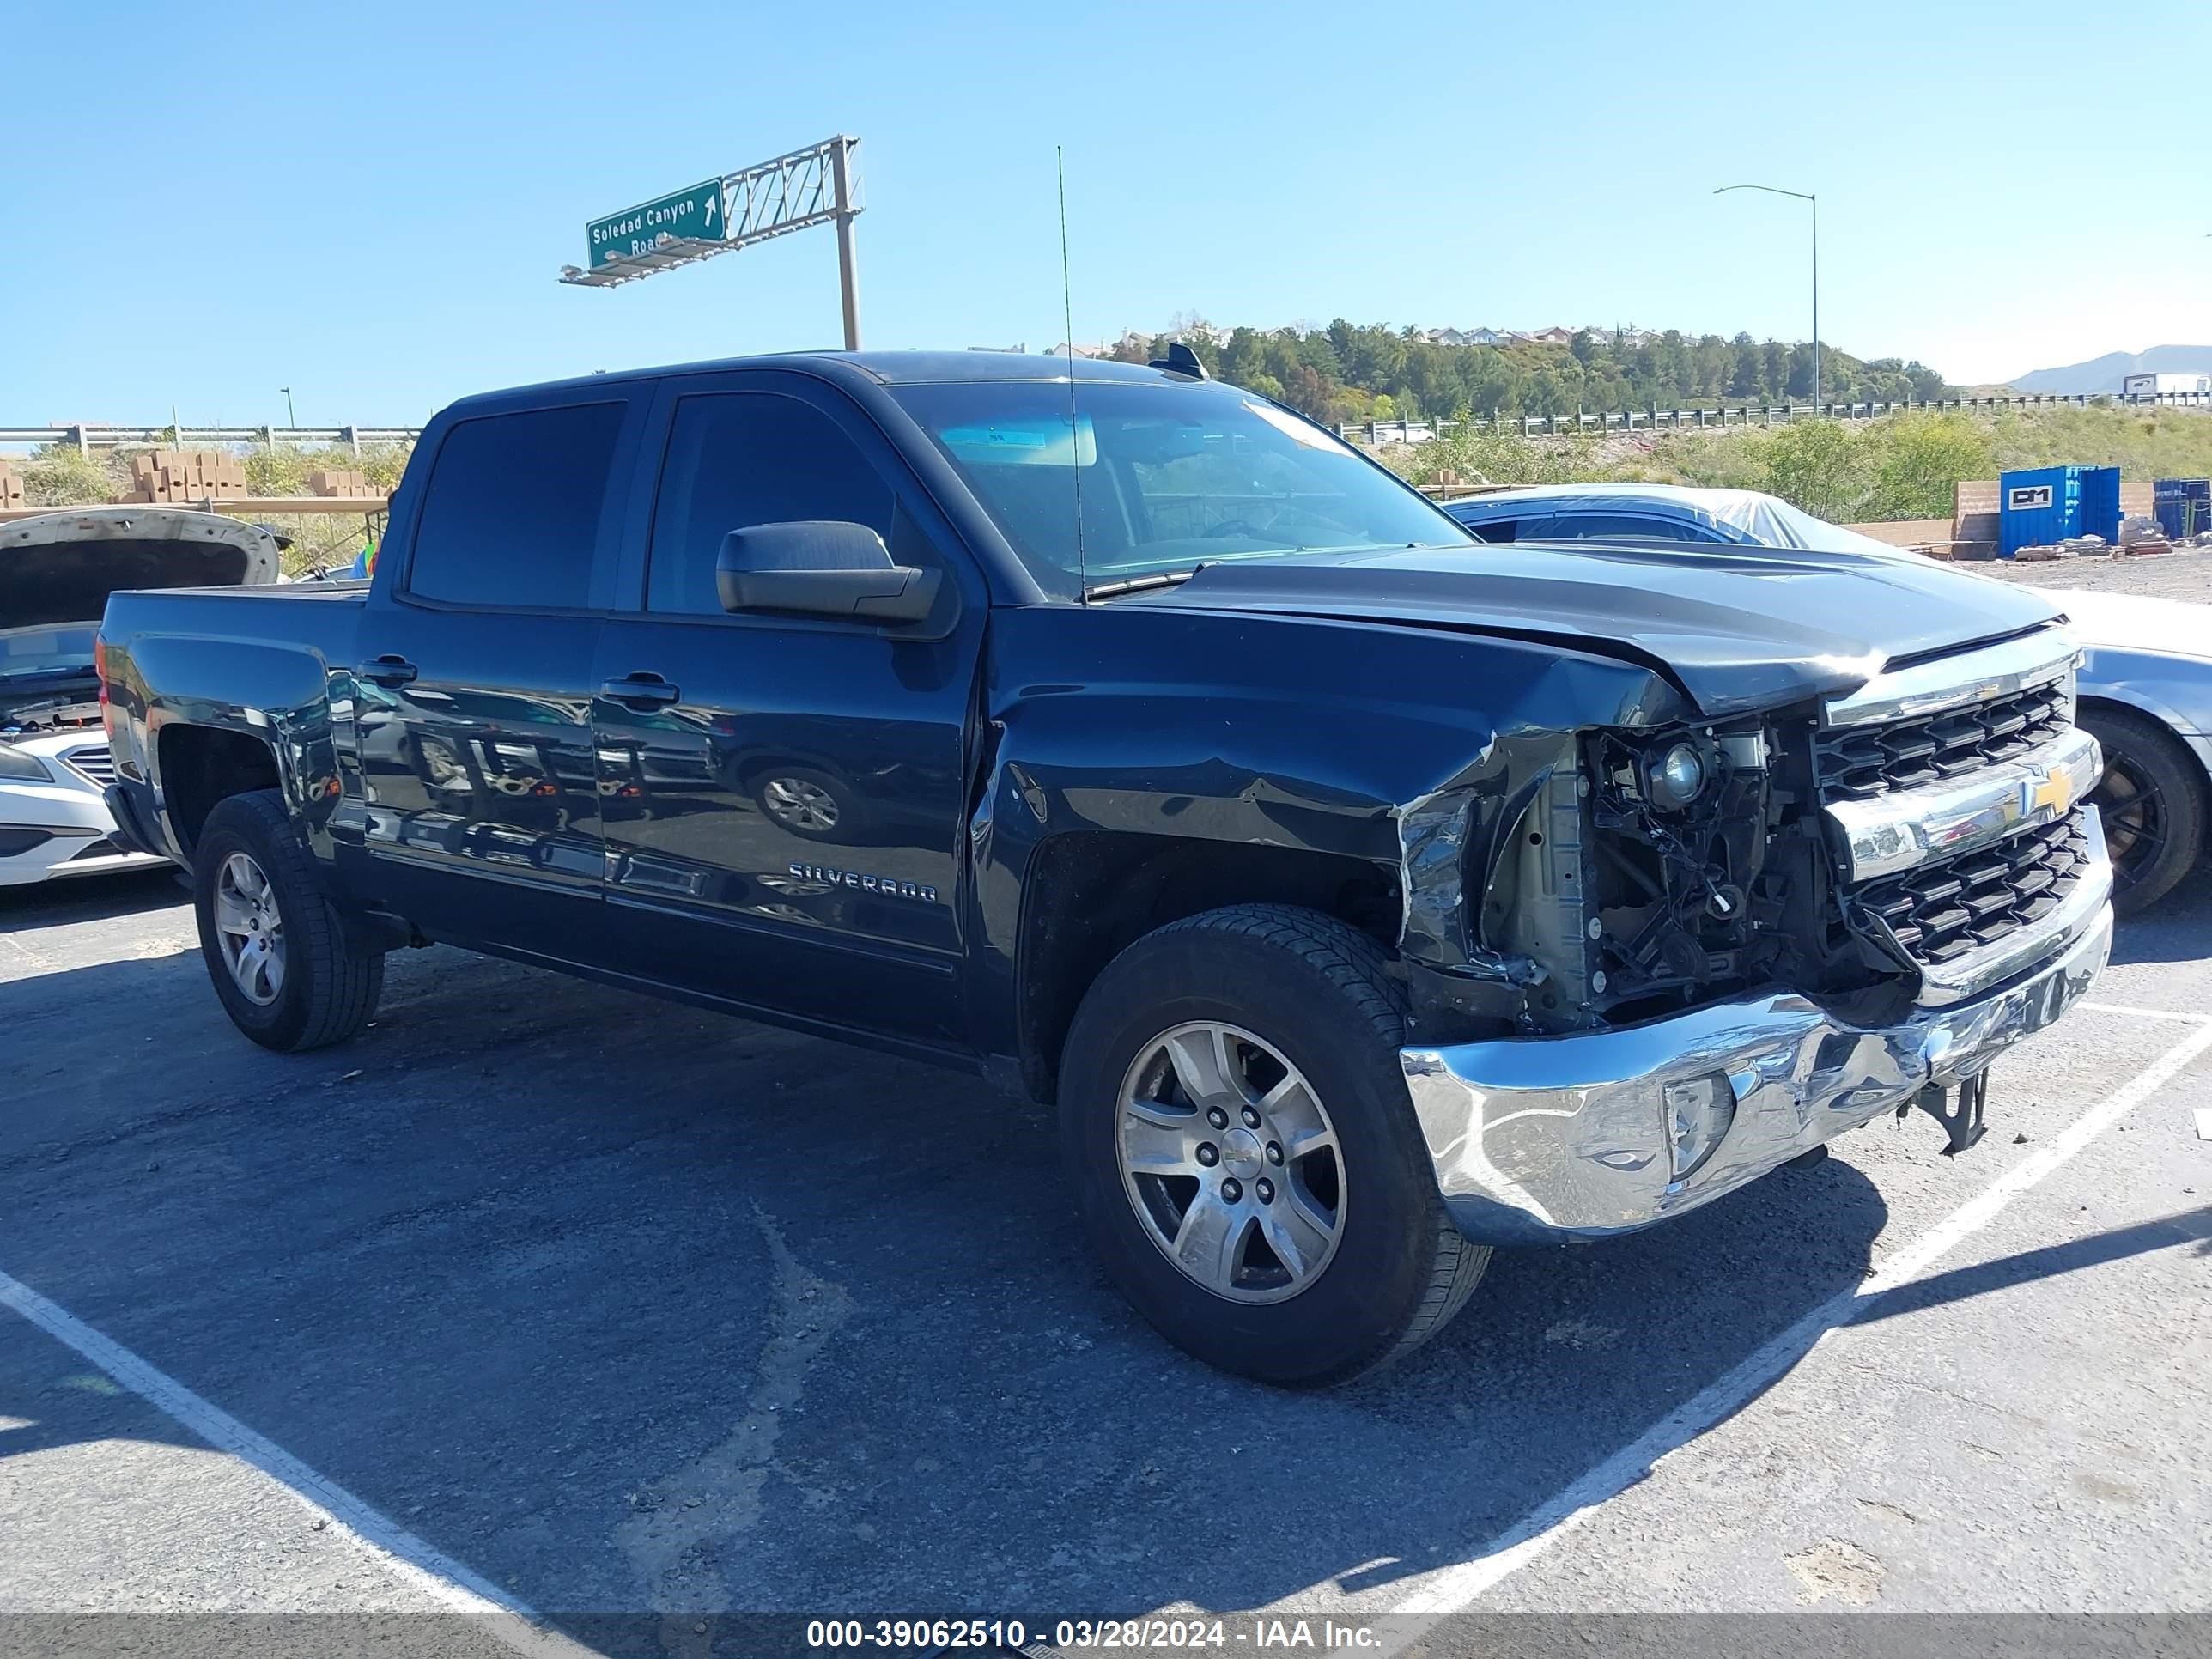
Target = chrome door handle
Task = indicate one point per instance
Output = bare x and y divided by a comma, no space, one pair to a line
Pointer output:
641,687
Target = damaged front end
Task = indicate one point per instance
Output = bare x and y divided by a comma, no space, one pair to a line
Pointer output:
1646,965
1626,875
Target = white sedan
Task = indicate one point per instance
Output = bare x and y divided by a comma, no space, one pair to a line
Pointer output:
56,570
53,819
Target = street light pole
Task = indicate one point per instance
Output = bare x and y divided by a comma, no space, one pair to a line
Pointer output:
290,418
1815,201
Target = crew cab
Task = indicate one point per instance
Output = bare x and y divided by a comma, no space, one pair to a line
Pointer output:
1365,896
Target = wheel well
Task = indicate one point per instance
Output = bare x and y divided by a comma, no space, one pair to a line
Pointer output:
1092,895
2086,707
202,765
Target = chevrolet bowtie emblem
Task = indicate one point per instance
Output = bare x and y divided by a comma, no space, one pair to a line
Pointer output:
2054,790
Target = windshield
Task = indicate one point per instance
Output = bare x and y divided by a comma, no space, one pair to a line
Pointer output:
1170,476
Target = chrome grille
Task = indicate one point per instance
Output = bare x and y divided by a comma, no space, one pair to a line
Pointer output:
93,762
1945,909
1860,762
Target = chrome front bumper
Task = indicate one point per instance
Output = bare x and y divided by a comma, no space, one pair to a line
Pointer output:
1550,1140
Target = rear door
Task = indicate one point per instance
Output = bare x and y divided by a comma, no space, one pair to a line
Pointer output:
475,692
785,797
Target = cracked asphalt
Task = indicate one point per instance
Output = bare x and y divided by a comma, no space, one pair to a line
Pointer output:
631,1308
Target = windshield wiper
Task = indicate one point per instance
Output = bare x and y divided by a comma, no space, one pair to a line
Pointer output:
1140,584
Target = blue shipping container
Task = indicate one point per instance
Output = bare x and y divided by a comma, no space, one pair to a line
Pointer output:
2183,506
2049,504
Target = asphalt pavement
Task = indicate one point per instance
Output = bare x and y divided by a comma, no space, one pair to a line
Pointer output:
545,1297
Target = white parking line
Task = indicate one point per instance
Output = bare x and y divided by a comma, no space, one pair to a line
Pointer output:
1456,1587
437,1575
2133,1012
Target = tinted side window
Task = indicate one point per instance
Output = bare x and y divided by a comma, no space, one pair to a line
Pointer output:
1617,527
738,459
511,513
1494,530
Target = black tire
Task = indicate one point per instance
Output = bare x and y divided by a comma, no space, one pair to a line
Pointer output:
331,980
1317,991
2152,799
847,816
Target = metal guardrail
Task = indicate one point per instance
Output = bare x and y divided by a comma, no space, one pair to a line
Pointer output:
88,438
235,507
1656,419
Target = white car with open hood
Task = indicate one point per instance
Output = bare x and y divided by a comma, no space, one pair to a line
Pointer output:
56,570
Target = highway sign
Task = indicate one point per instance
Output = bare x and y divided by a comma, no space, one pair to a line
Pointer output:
815,186
691,215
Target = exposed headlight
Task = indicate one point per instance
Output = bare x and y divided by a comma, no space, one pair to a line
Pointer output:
1699,1112
29,768
1677,777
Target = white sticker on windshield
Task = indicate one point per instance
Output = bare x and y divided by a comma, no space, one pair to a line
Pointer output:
1304,432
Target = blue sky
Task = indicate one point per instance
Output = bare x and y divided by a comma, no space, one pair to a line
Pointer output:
370,204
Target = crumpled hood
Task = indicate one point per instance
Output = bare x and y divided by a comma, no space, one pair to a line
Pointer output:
1739,630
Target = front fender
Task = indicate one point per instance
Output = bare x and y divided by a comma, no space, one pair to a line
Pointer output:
1395,745
2175,691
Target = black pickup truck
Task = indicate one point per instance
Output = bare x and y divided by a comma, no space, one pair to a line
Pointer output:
1364,895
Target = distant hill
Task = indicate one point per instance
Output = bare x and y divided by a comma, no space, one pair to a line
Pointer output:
2104,374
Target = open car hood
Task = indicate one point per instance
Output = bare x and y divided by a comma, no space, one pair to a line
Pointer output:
60,566
1739,630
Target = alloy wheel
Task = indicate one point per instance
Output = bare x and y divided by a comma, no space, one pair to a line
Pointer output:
250,929
2132,805
797,803
1231,1162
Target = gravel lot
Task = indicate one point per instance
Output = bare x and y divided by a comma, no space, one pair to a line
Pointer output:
2186,576
628,1308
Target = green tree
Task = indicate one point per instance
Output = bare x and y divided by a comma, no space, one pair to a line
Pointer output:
1916,460
1745,380
1821,466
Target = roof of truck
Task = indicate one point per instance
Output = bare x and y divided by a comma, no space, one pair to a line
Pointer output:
881,367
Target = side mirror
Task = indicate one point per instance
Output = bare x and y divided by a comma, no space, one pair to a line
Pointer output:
821,568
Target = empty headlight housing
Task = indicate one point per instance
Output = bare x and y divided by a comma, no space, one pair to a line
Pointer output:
1699,1111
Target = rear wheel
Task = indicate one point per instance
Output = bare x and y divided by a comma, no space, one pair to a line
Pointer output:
1245,1154
2151,798
288,970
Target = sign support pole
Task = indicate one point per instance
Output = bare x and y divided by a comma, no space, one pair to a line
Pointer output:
848,281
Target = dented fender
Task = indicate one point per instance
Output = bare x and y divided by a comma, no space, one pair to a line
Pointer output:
1405,748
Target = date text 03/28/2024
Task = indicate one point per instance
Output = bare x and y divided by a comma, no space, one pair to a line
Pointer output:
1152,1635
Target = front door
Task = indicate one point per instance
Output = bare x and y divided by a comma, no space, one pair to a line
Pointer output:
474,697
785,799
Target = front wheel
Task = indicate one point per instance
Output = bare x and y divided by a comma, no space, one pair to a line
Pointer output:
288,970
1245,1154
810,803
2151,801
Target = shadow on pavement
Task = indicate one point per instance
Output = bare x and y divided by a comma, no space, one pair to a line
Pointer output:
629,1305
2175,929
82,898
2188,1227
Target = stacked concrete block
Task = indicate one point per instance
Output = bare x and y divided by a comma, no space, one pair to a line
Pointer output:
183,476
338,482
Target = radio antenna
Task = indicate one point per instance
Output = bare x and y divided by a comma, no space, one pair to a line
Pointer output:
1074,430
